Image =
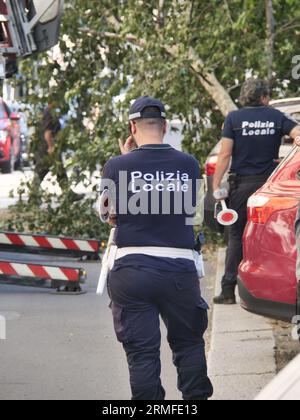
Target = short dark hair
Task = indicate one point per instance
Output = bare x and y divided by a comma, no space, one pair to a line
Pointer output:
253,90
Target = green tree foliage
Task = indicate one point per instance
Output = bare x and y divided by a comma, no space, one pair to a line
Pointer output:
191,54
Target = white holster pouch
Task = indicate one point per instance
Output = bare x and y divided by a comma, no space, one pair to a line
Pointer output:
108,262
198,258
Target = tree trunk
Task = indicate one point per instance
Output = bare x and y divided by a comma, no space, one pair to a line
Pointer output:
212,85
207,78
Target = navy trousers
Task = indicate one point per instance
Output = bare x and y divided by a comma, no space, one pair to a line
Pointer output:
240,193
139,296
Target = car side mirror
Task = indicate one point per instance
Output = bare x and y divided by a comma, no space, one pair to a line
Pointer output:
14,117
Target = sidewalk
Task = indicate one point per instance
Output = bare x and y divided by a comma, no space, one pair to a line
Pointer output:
241,360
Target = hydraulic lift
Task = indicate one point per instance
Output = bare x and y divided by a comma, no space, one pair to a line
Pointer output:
27,27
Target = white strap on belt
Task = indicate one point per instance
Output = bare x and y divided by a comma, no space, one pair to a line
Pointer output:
163,252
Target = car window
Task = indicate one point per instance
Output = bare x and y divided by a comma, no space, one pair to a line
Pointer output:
291,166
2,35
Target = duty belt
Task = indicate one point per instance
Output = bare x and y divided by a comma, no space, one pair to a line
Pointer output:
113,253
163,252
248,179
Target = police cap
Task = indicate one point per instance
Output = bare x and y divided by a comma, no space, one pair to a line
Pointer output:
147,107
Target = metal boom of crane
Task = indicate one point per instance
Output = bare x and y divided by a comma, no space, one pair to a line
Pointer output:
27,27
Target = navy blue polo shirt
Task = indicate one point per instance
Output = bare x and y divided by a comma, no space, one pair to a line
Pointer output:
161,176
257,134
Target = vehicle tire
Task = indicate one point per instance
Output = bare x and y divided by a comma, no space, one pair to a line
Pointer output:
8,167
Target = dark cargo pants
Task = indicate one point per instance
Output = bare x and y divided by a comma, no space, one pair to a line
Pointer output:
139,296
241,189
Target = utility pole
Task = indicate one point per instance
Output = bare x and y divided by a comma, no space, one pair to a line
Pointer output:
270,37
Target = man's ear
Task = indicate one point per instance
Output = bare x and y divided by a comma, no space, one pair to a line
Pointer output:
165,127
265,100
133,127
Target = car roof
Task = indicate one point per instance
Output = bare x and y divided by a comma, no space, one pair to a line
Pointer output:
289,106
285,100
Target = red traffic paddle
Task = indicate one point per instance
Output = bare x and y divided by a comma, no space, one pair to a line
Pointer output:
227,217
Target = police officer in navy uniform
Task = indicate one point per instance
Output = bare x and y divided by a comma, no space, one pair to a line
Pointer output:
162,281
251,140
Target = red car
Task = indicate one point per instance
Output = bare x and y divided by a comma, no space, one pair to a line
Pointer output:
10,139
267,274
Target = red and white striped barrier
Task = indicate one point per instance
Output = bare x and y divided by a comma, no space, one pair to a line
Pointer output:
43,272
49,244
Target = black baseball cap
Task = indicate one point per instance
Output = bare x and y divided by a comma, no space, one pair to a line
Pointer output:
139,109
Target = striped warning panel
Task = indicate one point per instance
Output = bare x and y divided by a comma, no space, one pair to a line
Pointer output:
19,240
43,272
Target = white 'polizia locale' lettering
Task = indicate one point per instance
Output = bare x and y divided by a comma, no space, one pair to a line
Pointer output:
258,128
160,181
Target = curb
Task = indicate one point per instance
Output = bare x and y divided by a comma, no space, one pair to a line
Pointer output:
241,360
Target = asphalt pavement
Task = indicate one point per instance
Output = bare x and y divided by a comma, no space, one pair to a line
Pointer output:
64,347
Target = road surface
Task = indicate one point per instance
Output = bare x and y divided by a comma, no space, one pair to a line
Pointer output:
64,347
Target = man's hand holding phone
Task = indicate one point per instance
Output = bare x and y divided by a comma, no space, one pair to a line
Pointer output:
128,146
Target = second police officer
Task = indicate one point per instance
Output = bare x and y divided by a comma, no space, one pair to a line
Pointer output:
251,140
